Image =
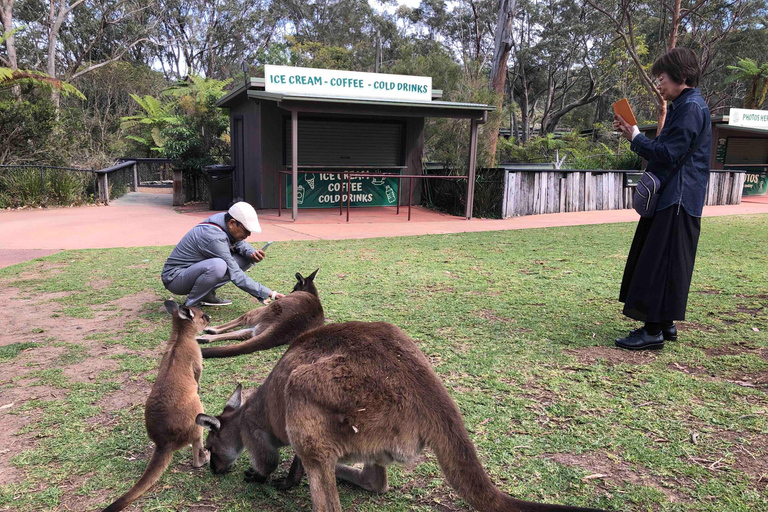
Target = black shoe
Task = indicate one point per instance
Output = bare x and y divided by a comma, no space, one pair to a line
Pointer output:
212,300
670,333
639,339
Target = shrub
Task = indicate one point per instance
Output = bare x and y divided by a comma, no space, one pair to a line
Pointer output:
23,186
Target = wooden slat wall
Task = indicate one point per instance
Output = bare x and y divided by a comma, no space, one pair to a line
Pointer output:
533,193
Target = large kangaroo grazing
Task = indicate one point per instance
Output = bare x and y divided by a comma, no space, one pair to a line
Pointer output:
173,403
353,392
277,324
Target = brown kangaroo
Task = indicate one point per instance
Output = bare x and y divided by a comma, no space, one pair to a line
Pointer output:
353,392
277,324
173,403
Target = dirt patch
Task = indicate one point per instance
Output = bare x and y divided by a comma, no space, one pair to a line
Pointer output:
757,380
611,356
38,320
739,347
12,443
70,500
100,284
694,326
620,471
489,315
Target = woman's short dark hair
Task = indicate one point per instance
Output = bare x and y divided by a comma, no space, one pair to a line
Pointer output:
680,64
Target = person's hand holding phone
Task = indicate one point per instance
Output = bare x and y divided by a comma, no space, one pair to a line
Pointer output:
260,254
623,127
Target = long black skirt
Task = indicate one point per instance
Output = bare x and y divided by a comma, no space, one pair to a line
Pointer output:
660,265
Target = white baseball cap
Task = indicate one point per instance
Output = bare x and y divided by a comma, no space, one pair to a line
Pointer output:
245,215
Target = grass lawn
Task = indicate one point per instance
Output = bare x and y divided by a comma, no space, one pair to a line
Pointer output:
519,325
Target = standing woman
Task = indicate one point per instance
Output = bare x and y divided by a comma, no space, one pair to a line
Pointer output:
657,277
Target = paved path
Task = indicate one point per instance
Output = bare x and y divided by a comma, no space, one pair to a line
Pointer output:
140,219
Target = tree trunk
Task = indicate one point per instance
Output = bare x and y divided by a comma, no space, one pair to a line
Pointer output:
502,47
6,16
674,28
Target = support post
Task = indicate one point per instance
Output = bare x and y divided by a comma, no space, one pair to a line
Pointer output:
472,165
295,164
103,183
178,188
135,187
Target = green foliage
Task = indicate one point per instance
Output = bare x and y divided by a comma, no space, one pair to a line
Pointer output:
756,76
10,78
200,137
579,152
22,186
26,129
148,124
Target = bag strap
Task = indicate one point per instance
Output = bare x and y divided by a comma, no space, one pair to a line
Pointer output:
211,224
694,147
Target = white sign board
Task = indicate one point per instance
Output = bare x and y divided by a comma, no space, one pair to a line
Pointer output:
748,118
346,84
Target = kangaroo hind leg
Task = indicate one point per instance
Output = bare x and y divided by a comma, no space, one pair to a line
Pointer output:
199,454
242,334
373,477
250,318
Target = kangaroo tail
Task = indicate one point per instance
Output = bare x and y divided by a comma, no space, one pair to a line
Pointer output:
262,341
155,469
463,471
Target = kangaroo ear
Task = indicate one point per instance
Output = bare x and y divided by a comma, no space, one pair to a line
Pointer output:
300,279
236,399
311,277
208,422
185,313
171,307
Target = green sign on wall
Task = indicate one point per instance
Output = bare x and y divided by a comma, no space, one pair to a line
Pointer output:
325,190
755,182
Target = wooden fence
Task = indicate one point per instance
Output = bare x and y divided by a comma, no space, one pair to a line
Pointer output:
537,191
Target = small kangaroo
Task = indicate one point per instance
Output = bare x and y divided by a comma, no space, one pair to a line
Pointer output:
353,392
277,324
173,403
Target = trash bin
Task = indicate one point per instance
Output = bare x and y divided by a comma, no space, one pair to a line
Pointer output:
219,185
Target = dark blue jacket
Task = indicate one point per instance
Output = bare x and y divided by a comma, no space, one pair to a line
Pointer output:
687,116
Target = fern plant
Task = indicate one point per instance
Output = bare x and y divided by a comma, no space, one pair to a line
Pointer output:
757,76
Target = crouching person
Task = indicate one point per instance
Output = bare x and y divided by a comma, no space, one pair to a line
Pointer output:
214,253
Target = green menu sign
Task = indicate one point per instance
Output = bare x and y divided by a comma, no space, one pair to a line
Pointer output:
325,190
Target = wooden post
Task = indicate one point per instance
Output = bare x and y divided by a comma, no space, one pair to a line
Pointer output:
471,170
295,164
103,183
178,188
135,187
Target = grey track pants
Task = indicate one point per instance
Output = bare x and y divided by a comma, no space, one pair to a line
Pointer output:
202,278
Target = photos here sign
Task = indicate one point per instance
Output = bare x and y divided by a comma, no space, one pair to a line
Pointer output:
748,118
346,84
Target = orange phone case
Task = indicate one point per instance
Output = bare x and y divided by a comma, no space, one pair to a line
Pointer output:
623,109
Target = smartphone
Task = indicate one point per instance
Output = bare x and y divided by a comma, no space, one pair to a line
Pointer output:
266,245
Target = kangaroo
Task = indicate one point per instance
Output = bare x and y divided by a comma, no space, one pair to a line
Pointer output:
173,403
277,324
353,392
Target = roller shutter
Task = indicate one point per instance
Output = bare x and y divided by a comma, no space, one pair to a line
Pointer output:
346,143
746,151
